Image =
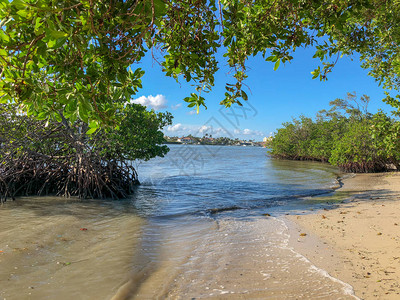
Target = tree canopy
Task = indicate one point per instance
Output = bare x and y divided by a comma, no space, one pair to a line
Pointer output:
79,58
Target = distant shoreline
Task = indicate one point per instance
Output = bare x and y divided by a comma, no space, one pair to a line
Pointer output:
194,144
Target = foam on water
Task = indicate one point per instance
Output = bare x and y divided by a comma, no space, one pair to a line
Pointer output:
347,288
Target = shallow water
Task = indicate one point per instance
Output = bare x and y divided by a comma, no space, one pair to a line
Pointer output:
46,255
193,229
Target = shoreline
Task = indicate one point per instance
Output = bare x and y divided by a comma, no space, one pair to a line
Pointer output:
357,241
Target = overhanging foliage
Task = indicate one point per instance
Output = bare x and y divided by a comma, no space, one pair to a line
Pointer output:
80,57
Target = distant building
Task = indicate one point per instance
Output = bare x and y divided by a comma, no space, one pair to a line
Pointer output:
186,140
208,140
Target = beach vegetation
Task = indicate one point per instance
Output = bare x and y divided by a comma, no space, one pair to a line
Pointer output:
39,157
347,136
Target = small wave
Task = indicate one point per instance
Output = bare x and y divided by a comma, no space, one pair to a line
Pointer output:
213,211
346,288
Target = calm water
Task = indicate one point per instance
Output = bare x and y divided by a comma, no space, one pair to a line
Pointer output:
197,179
193,229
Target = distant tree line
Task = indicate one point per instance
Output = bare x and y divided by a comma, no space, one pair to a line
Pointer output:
347,136
210,140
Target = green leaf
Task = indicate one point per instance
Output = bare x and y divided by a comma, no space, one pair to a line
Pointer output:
86,105
276,66
23,13
4,37
73,117
42,116
188,99
91,131
55,34
94,124
315,74
4,98
244,96
19,4
58,118
38,23
51,43
270,58
83,113
60,42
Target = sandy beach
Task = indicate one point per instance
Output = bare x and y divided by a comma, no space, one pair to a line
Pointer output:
357,241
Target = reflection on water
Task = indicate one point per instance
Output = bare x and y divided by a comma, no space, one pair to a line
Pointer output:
167,240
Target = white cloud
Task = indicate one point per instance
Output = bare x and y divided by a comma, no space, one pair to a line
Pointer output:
248,132
211,130
192,112
196,130
204,128
174,128
175,107
158,102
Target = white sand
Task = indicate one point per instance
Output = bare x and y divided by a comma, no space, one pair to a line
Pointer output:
358,242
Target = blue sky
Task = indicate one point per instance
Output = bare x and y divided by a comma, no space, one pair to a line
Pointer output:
274,96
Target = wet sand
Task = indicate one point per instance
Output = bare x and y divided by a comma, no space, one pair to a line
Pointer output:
358,241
